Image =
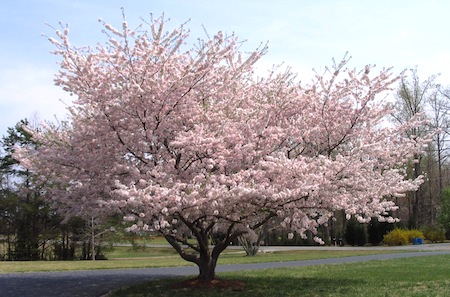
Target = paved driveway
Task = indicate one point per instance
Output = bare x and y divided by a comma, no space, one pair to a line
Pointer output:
99,282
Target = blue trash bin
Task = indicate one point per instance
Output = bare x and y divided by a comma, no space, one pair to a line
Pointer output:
417,241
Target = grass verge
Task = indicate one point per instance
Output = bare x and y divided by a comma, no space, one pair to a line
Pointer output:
420,276
125,257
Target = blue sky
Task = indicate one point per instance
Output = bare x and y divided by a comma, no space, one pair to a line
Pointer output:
304,34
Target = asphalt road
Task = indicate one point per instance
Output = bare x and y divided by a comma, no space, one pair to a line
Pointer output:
99,282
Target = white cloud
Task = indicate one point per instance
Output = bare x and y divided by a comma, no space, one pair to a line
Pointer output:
28,90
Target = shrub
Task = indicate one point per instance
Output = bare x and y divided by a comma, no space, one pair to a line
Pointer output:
376,231
434,234
355,233
414,234
402,236
396,237
444,213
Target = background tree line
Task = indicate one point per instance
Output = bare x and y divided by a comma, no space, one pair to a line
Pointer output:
32,228
428,99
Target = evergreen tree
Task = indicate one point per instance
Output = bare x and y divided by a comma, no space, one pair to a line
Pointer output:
444,213
26,219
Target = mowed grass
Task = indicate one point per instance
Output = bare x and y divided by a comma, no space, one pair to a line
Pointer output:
419,276
126,257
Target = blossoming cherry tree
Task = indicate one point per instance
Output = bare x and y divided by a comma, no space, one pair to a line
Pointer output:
190,142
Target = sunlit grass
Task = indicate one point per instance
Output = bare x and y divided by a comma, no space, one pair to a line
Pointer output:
420,276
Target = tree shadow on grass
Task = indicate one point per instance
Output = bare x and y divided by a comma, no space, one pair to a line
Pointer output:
247,286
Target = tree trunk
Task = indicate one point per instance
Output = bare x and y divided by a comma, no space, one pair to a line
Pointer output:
251,248
93,238
10,256
43,250
416,195
201,253
207,268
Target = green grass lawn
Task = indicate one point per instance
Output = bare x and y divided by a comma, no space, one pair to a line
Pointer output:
126,257
420,276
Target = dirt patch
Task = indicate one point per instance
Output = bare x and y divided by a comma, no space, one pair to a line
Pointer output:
222,284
